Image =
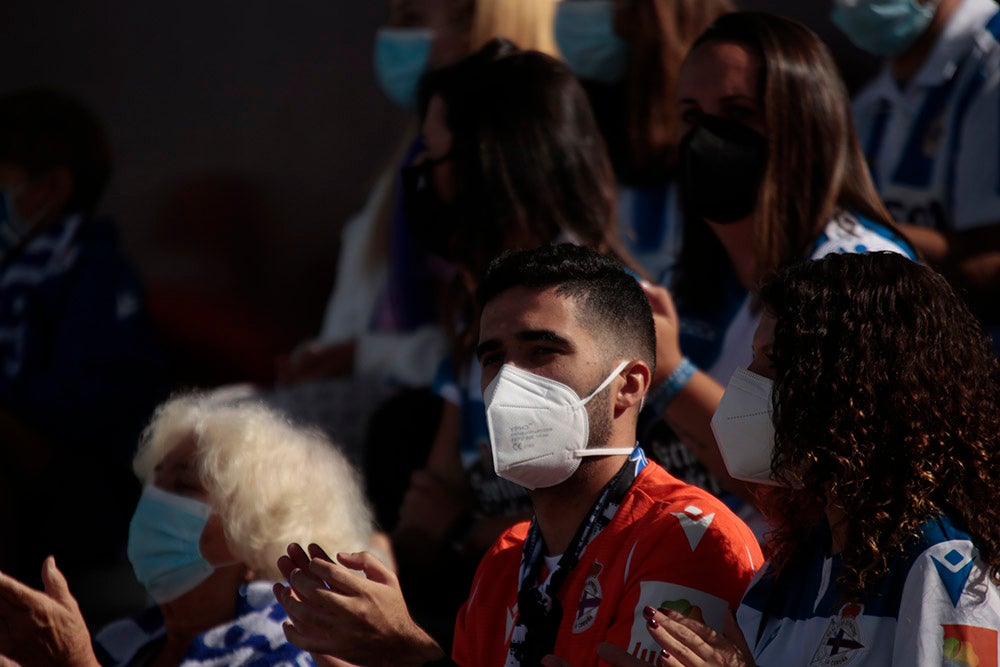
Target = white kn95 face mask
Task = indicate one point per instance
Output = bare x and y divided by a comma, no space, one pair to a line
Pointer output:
744,428
539,427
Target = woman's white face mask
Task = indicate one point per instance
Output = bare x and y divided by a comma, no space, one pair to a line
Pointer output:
744,427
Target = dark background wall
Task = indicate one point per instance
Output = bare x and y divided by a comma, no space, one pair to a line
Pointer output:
245,133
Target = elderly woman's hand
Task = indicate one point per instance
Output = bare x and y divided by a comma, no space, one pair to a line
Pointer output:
333,611
43,628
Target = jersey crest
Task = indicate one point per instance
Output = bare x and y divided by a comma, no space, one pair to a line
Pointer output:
842,642
590,600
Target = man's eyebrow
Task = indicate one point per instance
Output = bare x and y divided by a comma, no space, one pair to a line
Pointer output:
528,336
546,335
487,346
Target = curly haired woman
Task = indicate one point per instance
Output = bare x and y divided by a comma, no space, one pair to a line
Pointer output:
873,407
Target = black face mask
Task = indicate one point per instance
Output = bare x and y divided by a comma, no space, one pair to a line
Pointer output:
721,164
432,222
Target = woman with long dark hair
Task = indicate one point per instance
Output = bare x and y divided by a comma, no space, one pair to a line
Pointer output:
770,173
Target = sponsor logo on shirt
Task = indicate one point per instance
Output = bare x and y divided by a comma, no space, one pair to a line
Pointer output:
954,570
969,646
697,604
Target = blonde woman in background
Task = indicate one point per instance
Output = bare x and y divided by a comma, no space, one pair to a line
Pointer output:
382,338
381,317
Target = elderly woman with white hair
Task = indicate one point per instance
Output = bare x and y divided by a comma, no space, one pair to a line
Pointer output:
227,487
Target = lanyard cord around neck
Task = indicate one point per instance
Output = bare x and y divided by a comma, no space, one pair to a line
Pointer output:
539,610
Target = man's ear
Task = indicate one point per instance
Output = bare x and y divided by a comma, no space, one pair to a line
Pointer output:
631,393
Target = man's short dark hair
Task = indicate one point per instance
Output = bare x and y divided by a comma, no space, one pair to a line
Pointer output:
41,130
610,301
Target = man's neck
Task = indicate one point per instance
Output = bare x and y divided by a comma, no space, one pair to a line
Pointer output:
561,509
906,65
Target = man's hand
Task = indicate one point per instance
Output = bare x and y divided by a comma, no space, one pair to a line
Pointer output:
361,619
43,628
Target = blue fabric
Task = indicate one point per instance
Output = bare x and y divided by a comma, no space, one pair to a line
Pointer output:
916,166
783,616
932,142
702,336
75,340
253,637
879,230
649,209
874,140
408,294
793,594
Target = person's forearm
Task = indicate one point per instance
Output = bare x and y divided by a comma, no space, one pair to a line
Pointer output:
969,259
933,246
419,648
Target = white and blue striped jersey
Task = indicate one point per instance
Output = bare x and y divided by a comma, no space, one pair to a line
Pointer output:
933,145
937,606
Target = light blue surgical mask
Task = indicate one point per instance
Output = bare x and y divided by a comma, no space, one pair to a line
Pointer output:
401,57
883,27
13,230
586,37
163,543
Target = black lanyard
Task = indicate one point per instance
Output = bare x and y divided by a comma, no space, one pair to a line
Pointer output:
539,610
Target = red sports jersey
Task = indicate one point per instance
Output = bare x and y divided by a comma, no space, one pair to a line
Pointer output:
670,544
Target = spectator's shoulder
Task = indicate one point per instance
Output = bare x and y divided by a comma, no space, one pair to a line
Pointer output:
665,503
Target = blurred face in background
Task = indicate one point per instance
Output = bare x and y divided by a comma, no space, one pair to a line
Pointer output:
721,79
449,20
437,140
723,152
421,35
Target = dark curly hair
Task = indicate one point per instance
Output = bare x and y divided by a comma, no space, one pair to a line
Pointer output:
885,403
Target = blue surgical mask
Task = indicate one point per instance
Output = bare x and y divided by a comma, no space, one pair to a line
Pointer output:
13,230
163,543
586,37
401,58
883,27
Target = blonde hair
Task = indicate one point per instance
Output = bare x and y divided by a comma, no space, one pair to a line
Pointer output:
270,482
526,23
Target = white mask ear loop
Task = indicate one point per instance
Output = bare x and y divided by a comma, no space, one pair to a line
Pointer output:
608,380
604,451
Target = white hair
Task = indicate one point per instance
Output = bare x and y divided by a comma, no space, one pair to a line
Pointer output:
270,482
